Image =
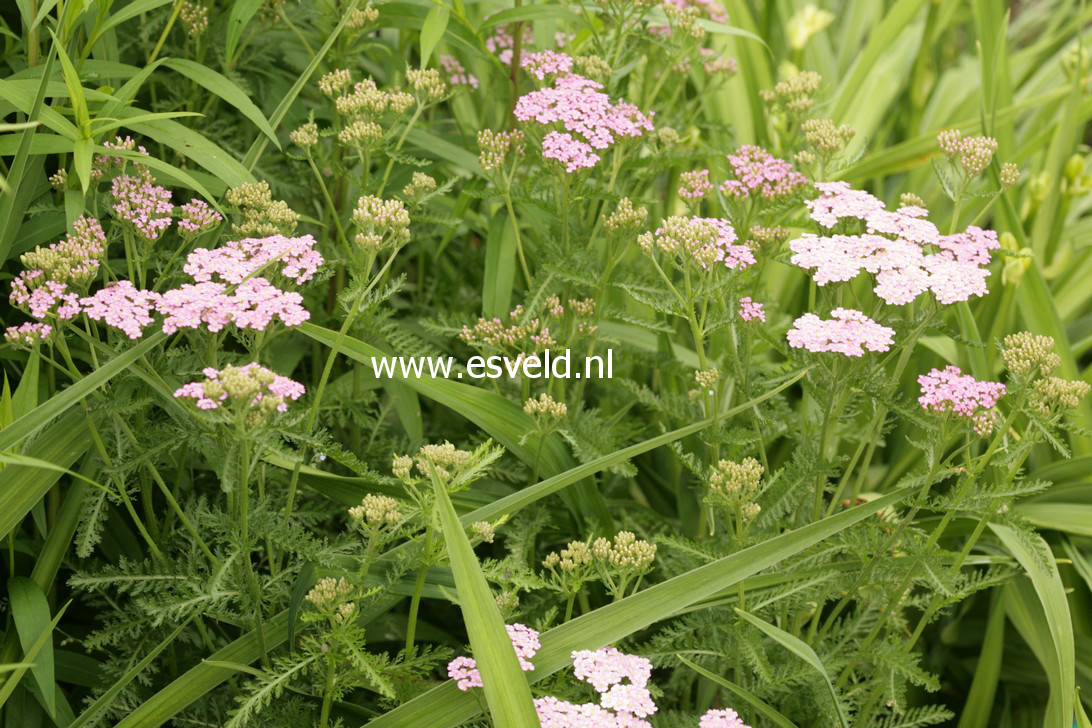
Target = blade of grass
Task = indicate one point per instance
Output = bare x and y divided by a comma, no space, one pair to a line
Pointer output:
776,717
30,612
802,650
506,690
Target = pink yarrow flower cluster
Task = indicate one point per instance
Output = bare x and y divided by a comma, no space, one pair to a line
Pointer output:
28,334
735,257
849,333
950,390
236,260
724,718
622,683
695,185
123,306
589,122
254,304
464,670
751,311
143,204
197,217
253,382
902,249
757,172
502,42
41,297
546,63
456,74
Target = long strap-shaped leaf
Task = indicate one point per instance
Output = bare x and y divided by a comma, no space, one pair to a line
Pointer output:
803,650
32,421
445,706
506,689
775,716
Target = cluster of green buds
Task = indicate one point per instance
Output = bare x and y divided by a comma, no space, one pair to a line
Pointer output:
706,381
1075,182
500,154
453,468
626,219
771,237
376,512
332,599
380,223
795,94
360,108
592,67
419,187
194,18
257,214
545,408
684,240
361,18
1031,360
623,561
305,136
806,23
570,568
684,21
972,154
428,86
734,487
826,138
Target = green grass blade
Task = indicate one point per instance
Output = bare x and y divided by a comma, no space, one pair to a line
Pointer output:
979,705
34,420
44,638
773,714
226,89
30,612
802,650
446,707
506,690
1055,609
103,702
433,30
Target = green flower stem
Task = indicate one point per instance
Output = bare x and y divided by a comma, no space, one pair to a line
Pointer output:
418,587
244,535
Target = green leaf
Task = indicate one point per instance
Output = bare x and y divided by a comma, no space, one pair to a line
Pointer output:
776,717
31,653
124,13
802,650
26,394
75,90
30,612
546,11
979,705
226,89
1069,517
506,689
94,711
81,160
1057,653
22,486
241,13
34,420
446,706
433,30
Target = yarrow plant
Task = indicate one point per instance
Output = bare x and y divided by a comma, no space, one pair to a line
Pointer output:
832,282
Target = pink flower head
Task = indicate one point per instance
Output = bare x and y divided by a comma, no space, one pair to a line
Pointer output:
751,311
294,258
586,117
735,257
196,218
143,204
501,42
555,713
837,200
756,171
607,666
546,63
629,699
28,334
464,670
251,385
950,390
456,74
122,306
724,718
849,333
574,154
39,297
902,249
126,144
695,185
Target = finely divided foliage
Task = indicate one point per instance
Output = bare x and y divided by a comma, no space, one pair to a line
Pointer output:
782,224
